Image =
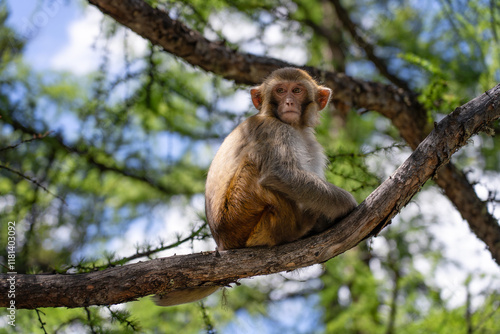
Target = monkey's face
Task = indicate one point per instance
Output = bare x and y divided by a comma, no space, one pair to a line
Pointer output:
290,98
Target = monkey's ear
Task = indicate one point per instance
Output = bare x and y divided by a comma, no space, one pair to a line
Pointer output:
323,97
256,97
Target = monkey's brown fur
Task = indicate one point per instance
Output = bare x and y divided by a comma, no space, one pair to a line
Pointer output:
266,184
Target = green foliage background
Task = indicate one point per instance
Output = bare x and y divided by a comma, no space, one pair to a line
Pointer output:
83,159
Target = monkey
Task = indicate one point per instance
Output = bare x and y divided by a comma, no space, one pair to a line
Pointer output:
266,185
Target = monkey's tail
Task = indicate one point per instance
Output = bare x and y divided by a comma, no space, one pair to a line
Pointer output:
184,296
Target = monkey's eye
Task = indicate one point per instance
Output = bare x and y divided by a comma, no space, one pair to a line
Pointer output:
280,90
297,90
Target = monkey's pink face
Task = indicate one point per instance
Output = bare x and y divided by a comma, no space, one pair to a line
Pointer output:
290,98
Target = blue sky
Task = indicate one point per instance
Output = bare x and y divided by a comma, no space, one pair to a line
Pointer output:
45,26
62,36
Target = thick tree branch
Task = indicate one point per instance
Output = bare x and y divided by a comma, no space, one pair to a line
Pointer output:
127,283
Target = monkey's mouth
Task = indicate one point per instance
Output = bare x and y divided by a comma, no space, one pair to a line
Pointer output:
290,116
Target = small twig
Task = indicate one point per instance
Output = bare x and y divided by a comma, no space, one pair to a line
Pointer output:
35,137
138,255
122,318
206,319
42,324
32,180
366,154
89,319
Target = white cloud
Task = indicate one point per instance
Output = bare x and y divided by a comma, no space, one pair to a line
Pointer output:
83,52
235,27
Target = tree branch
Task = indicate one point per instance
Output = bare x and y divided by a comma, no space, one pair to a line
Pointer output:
129,282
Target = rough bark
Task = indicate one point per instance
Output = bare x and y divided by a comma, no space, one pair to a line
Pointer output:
129,282
400,106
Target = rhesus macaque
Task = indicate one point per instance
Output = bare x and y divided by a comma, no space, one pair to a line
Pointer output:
266,185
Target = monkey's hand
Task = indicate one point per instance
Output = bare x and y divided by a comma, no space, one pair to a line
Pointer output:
311,192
